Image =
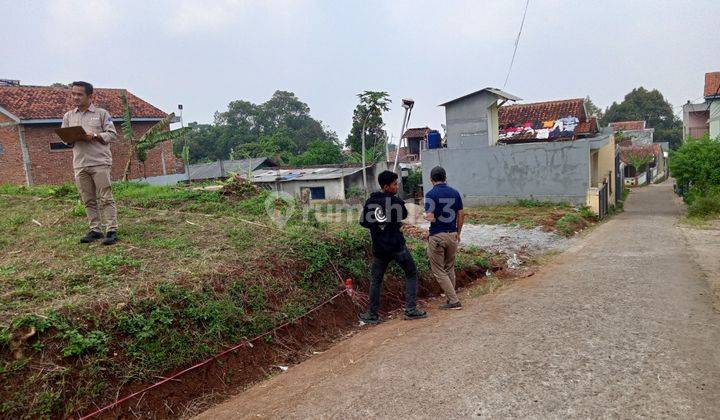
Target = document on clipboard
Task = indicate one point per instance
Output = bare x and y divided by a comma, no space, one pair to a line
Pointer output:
70,135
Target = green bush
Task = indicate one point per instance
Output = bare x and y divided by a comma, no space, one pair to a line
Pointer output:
697,163
569,224
413,182
705,205
586,213
79,344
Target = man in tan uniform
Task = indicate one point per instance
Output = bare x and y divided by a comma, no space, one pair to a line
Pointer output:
92,162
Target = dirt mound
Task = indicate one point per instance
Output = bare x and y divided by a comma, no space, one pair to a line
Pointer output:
240,188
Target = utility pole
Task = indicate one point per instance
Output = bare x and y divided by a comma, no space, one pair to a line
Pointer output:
185,150
408,105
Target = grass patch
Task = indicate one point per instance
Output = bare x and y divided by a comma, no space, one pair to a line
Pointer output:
569,224
188,277
530,214
110,263
706,206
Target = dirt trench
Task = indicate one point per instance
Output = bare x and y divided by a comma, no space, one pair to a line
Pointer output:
208,385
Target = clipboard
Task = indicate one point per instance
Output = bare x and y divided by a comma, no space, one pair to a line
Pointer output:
70,135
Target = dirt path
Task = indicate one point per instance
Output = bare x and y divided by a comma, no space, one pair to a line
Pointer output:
621,325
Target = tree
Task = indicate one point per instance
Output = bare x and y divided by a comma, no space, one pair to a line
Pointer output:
282,112
650,106
637,156
592,109
319,153
280,127
154,136
367,129
277,146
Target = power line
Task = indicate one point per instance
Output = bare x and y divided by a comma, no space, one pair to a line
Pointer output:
517,41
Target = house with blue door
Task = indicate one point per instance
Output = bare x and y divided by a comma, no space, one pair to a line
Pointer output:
319,183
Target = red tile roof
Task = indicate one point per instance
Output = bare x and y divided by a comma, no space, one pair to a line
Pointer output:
639,150
404,156
712,84
542,111
587,127
416,132
627,125
43,102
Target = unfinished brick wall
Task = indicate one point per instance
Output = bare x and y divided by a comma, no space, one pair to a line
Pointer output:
11,166
55,166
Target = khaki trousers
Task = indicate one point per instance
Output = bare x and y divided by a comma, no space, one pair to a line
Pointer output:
441,253
93,183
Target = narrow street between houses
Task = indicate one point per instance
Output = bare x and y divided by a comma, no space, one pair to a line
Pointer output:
621,325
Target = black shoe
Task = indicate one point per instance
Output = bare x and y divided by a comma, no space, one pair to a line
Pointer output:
369,318
110,238
91,236
415,314
457,305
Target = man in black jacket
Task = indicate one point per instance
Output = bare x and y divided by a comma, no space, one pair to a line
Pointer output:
383,214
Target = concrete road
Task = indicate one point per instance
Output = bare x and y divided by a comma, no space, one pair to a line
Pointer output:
621,325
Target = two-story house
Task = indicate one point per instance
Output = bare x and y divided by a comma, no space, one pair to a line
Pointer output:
704,117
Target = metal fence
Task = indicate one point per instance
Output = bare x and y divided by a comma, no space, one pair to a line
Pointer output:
603,200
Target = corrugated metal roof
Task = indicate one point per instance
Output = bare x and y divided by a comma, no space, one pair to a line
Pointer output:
302,174
213,170
492,90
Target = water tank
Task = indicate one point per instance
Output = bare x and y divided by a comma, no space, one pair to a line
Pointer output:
434,139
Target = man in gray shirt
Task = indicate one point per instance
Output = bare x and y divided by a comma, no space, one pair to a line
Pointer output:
92,162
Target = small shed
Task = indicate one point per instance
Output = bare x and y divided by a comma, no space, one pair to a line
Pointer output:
337,182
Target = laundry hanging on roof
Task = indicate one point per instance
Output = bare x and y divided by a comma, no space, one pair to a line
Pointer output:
542,130
542,133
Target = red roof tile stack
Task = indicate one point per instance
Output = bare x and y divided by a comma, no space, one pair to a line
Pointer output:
44,102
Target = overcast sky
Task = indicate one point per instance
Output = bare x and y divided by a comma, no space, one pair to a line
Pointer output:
204,54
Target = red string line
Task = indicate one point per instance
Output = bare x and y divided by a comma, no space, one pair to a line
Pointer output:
212,358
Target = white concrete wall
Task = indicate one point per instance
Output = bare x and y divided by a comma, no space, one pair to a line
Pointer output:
334,188
548,171
715,119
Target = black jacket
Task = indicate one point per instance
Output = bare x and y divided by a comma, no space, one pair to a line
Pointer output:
383,214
